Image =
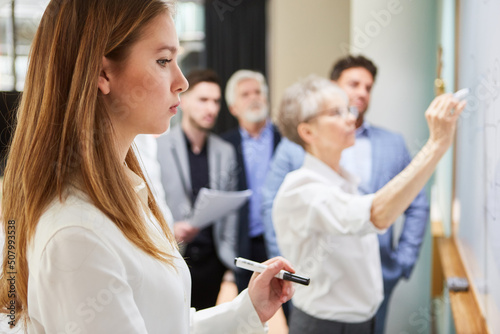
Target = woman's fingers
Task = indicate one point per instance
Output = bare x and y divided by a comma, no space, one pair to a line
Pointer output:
271,270
459,109
446,105
287,265
287,291
451,104
282,288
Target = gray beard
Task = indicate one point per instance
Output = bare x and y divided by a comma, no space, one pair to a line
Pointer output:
256,116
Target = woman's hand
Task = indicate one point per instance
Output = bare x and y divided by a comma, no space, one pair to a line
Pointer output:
267,292
442,116
394,198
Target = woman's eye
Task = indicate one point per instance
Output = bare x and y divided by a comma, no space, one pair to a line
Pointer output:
334,112
163,62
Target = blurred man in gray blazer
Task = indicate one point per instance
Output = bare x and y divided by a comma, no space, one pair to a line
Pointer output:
192,158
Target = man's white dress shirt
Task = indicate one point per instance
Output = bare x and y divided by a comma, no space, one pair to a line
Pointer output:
358,158
85,276
323,228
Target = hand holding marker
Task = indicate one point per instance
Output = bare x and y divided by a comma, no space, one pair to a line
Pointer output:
259,267
460,95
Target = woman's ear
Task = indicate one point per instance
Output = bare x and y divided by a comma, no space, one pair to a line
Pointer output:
103,84
305,132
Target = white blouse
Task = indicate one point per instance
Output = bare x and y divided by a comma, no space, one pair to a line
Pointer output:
323,227
85,276
146,152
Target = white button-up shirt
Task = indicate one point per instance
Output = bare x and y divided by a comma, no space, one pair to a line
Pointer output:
323,227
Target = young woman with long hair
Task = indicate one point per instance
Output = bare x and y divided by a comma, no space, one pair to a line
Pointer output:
86,247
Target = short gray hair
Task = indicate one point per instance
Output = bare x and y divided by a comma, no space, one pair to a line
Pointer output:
303,100
240,76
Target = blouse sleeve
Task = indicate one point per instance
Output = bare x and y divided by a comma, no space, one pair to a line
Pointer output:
82,287
235,317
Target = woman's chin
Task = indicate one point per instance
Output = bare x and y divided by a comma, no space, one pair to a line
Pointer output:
157,131
349,144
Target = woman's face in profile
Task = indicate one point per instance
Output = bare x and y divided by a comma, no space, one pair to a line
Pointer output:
334,126
145,88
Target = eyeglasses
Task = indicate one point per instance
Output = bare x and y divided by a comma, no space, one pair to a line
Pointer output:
343,112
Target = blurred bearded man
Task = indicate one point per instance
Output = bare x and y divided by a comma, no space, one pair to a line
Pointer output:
254,139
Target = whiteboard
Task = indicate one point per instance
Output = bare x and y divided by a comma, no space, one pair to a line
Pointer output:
477,176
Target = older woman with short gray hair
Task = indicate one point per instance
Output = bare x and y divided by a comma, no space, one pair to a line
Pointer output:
306,102
324,226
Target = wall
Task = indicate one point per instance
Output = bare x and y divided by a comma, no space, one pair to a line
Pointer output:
400,37
305,37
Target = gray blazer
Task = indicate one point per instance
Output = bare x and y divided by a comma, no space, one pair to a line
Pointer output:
176,181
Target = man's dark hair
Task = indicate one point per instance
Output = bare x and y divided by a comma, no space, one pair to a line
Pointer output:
350,62
206,75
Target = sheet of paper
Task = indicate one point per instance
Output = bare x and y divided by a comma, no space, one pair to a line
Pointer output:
212,205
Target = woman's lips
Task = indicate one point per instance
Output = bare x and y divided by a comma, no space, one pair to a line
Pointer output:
173,109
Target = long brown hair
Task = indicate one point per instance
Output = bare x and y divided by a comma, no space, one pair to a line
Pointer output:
63,131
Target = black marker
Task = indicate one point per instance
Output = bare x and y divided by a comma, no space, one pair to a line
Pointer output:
259,267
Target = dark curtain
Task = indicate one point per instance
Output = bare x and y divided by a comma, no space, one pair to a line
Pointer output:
235,39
